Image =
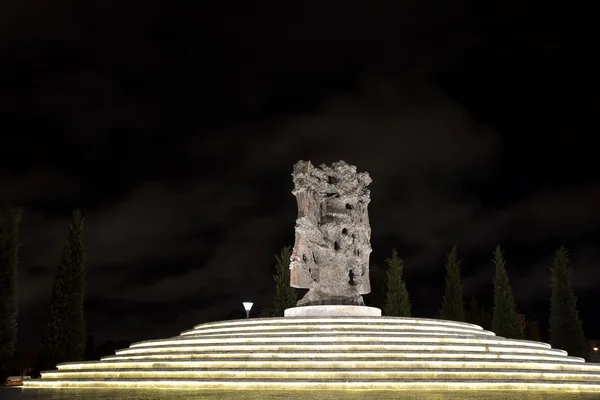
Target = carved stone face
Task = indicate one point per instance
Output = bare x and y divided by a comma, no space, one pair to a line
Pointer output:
332,246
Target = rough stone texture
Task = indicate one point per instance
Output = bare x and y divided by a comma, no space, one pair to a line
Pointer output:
332,311
332,247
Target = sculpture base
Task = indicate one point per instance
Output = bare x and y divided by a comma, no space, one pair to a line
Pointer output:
322,297
332,311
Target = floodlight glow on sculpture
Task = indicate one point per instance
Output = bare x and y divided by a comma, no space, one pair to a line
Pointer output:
331,340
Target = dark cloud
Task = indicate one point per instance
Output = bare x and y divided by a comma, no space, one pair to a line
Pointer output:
36,186
175,130
194,250
20,21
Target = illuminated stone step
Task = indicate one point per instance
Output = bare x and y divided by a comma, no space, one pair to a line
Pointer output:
331,328
333,353
357,321
346,346
332,332
290,335
334,338
354,374
327,364
336,327
428,350
329,384
339,355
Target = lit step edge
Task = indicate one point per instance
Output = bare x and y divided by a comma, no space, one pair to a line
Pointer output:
300,356
467,385
331,333
490,376
429,350
362,320
319,364
333,339
291,334
340,327
329,371
429,347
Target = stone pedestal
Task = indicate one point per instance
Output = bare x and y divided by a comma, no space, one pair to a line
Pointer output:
332,311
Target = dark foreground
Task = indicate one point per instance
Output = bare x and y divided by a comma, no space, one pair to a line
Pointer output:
126,394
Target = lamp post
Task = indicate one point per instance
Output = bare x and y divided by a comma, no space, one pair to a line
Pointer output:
247,306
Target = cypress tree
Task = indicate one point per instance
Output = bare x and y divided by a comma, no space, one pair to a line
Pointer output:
452,304
9,257
505,320
566,331
285,295
63,333
397,300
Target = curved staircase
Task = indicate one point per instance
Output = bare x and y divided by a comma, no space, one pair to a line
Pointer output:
384,353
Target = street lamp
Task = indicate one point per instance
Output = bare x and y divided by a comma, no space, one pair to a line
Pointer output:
595,349
247,307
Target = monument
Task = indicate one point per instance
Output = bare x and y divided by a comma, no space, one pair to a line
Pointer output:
332,247
331,340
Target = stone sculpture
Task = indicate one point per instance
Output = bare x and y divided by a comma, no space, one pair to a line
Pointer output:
332,246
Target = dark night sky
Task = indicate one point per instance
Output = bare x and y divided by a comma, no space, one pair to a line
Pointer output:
175,127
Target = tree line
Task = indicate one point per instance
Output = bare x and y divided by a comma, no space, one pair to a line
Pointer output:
62,335
565,327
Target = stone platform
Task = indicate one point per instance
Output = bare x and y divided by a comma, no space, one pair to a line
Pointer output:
332,311
333,352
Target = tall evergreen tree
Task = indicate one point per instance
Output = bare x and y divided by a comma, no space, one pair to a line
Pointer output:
452,304
285,295
9,256
397,300
566,331
505,320
63,333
